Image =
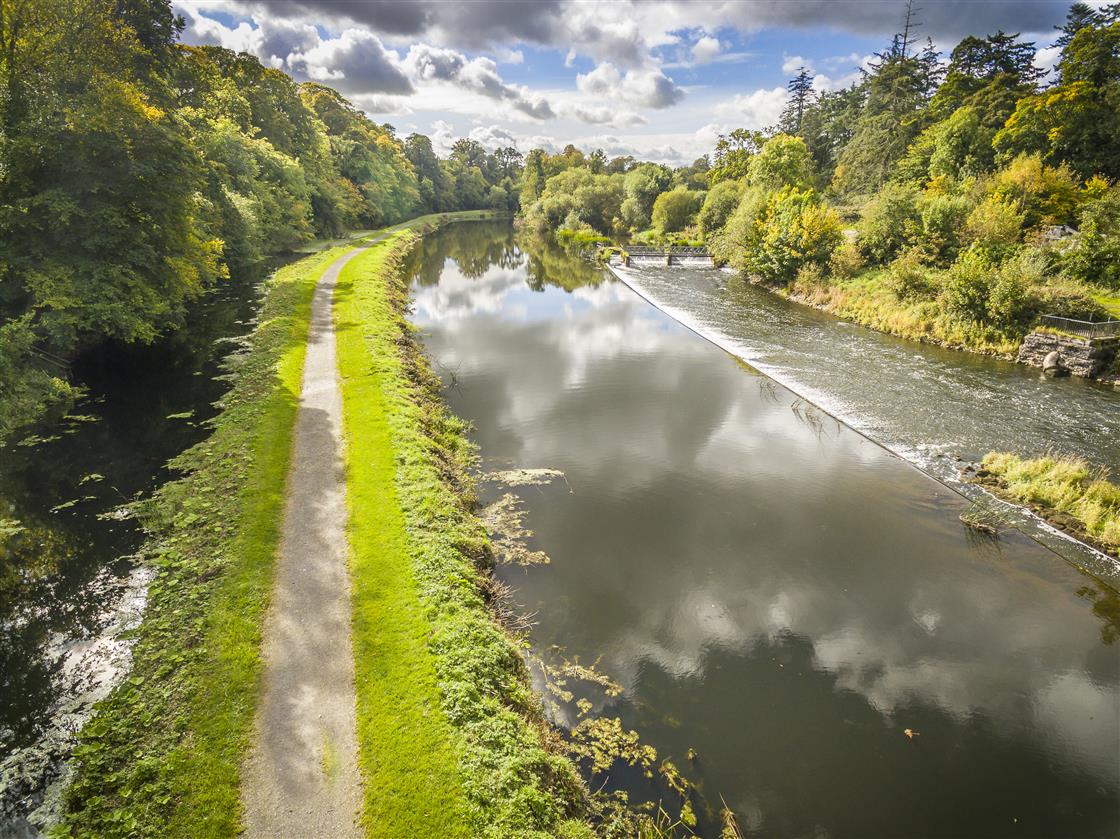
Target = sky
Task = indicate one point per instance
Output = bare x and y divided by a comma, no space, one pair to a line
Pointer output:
658,80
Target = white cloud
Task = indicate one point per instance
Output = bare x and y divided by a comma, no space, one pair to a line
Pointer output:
649,88
758,109
706,49
792,63
480,75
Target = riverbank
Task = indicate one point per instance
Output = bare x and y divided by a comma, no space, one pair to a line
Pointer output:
1064,491
162,755
442,689
868,300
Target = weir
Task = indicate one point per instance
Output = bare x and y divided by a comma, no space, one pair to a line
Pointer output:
642,254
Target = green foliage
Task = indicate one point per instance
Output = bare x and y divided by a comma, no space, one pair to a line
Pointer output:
889,223
979,290
794,230
943,219
719,203
994,224
1043,194
733,153
1093,257
909,278
642,185
782,161
576,197
674,210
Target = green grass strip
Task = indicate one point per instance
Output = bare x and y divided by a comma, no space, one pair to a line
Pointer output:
407,756
1060,486
451,738
162,755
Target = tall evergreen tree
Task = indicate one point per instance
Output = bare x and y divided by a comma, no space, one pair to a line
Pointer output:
800,89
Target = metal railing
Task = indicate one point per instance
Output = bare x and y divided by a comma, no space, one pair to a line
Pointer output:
653,250
1084,328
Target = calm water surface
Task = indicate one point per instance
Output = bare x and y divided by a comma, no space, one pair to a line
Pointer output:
772,589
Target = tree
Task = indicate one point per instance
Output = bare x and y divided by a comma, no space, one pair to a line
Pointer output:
794,231
990,74
732,154
643,184
782,161
674,210
800,89
1077,121
898,87
719,203
533,177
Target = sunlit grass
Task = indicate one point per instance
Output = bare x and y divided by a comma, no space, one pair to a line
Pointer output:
1065,484
162,755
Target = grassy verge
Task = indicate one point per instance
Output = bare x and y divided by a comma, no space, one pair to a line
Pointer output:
869,301
162,755
451,735
1065,491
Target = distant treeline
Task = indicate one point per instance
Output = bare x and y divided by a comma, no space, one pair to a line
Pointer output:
135,171
977,193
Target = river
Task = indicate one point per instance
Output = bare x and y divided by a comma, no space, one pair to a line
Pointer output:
69,585
794,603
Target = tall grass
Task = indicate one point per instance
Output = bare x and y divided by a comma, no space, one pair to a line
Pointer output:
1064,484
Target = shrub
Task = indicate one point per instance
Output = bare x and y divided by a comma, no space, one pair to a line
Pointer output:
810,277
994,225
794,231
846,261
968,285
1094,255
889,223
943,220
909,277
1043,194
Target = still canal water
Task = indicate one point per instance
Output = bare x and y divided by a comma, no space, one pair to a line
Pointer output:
774,591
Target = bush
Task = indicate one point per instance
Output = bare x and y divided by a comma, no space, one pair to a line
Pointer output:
1094,255
968,285
794,231
810,277
943,220
890,222
994,225
846,261
908,277
1043,194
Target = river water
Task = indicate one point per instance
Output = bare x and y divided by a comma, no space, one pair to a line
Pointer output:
69,587
778,593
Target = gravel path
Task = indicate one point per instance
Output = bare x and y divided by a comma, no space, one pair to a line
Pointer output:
301,778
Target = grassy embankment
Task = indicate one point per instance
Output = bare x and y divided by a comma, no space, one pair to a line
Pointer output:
1065,491
162,755
451,738
868,299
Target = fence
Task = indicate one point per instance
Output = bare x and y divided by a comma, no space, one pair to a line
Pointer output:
1084,328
